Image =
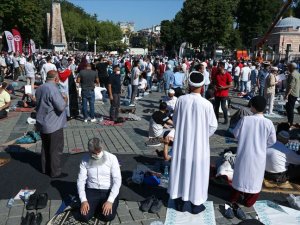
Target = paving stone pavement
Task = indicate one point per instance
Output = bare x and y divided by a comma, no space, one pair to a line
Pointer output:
127,139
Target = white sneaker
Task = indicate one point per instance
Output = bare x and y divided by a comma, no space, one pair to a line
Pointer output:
94,120
85,121
132,105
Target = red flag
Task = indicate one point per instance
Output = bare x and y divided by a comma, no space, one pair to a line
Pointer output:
18,40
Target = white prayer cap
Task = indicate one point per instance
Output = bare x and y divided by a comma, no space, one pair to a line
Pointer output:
196,79
169,66
274,68
204,64
171,91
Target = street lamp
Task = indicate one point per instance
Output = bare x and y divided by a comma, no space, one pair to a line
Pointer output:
87,43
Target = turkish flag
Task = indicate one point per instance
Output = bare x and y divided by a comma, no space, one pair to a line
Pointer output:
18,40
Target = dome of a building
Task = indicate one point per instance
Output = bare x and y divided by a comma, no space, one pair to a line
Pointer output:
289,22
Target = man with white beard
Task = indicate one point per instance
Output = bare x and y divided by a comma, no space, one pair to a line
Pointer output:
194,122
98,183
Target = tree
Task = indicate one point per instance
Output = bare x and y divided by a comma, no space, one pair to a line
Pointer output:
255,16
208,22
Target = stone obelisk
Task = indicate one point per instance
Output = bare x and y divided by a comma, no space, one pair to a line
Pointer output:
55,28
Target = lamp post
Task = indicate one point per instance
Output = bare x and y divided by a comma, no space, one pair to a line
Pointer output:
87,43
95,47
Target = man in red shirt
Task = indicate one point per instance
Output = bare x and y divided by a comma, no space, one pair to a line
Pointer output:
214,71
222,81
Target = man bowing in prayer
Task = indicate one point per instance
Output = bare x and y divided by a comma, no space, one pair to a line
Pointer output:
194,122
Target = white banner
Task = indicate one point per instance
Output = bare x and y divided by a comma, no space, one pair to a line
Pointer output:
32,45
10,41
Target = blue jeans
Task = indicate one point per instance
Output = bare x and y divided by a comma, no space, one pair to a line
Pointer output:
149,83
244,86
88,96
160,84
129,91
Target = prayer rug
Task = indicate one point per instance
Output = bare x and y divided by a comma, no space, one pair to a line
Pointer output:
110,123
67,218
270,213
76,151
207,217
285,188
25,110
13,143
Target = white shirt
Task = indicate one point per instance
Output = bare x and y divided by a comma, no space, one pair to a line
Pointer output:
105,177
229,68
29,69
245,73
135,76
22,60
2,62
206,78
171,102
149,69
46,68
279,157
142,84
237,71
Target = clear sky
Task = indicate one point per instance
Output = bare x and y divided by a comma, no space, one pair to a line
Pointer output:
144,13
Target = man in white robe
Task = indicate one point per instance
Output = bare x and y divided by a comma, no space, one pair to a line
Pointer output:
194,122
255,134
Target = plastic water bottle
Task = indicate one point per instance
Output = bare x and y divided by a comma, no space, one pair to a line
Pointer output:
166,172
10,203
26,195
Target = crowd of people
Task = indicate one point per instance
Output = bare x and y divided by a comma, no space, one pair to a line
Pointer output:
188,115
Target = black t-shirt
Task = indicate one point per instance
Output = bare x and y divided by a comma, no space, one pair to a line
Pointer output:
87,79
102,69
160,118
115,81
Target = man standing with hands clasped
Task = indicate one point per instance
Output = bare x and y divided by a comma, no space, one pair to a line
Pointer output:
98,183
222,82
114,90
51,118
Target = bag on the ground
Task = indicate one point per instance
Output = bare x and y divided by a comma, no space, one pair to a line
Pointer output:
98,94
138,176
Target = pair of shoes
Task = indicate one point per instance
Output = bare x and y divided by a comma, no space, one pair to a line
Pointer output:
151,204
94,120
37,201
153,142
32,219
132,105
234,210
62,175
85,121
196,209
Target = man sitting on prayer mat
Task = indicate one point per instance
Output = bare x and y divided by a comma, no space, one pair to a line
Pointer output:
98,183
4,101
194,122
279,159
251,156
160,123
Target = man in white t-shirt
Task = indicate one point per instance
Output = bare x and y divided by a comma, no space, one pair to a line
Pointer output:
236,77
279,158
171,100
149,70
135,73
245,76
46,68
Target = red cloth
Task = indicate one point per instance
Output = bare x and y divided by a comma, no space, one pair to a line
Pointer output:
162,69
222,80
248,199
63,75
128,66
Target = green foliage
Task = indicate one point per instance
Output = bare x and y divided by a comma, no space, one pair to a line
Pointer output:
30,18
208,22
255,16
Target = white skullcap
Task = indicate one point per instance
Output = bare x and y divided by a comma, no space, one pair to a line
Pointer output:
171,91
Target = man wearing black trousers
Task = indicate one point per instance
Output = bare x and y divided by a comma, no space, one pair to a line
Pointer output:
292,91
114,91
222,82
98,183
51,118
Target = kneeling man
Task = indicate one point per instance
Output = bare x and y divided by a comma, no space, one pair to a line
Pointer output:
98,183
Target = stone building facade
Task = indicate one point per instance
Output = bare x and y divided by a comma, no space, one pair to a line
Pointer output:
284,41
